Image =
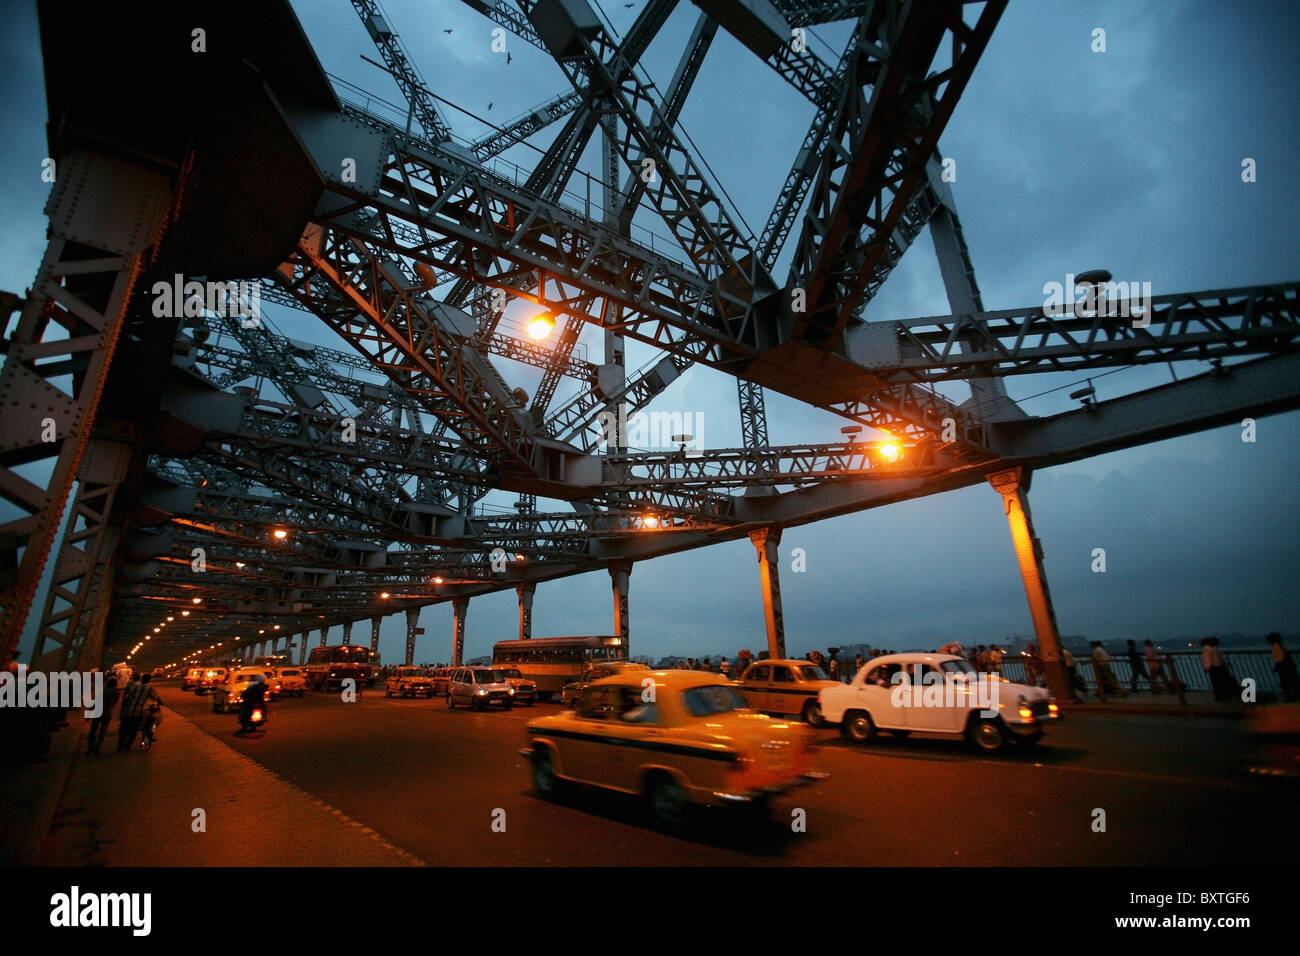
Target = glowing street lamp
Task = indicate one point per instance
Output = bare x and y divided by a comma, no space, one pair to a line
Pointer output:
280,534
540,327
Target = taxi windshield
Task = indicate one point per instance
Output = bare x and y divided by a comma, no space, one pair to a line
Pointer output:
511,672
412,672
956,667
713,699
811,672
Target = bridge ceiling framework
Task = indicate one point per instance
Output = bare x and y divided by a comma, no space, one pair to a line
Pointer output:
269,488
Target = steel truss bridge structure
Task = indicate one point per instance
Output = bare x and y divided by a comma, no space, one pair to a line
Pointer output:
200,480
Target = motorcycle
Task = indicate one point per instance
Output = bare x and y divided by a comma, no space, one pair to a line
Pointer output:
253,717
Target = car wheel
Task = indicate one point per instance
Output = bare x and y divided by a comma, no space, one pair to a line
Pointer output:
987,736
510,705
451,704
859,726
388,691
528,703
812,714
667,802
215,708
900,734
544,778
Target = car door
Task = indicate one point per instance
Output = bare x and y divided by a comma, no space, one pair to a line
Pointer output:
781,691
756,687
923,716
584,753
874,695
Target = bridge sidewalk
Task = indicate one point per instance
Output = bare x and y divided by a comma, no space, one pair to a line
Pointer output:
1199,704
137,809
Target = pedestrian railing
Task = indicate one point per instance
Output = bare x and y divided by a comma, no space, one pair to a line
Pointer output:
1184,667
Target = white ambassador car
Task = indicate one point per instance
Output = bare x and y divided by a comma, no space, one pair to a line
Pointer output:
937,694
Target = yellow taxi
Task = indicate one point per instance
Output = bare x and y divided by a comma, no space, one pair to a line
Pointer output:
786,687
675,738
293,681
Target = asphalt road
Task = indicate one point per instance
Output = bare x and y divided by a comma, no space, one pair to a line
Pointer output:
432,781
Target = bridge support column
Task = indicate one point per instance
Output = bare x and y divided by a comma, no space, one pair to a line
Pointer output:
412,622
767,543
303,641
620,577
459,608
525,592
347,631
324,631
374,633
1013,486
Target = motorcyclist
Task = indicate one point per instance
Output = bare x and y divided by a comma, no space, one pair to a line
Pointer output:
254,695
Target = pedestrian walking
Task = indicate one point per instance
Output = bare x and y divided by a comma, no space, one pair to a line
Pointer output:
138,694
725,668
99,725
1284,666
1155,669
1101,662
1213,664
1078,687
1136,665
834,669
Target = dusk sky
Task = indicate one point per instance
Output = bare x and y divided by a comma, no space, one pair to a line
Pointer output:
1067,160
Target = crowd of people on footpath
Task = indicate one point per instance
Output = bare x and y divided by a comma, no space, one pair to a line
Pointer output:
1145,664
139,700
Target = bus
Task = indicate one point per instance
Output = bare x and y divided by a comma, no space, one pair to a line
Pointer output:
552,662
328,667
273,660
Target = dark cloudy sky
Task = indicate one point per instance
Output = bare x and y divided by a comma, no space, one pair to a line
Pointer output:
1066,160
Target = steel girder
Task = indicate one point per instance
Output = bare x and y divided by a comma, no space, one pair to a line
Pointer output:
403,71
1201,326
68,327
685,200
882,144
499,140
374,310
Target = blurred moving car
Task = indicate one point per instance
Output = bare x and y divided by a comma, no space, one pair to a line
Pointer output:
274,689
573,690
786,687
477,687
525,689
441,678
683,737
225,695
938,694
210,678
293,681
407,682
1274,740
191,679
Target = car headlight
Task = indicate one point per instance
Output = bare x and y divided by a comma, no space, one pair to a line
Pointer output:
481,692
511,691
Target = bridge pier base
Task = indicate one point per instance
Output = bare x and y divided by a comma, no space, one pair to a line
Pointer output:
459,608
374,633
412,623
620,577
767,542
525,592
1013,485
